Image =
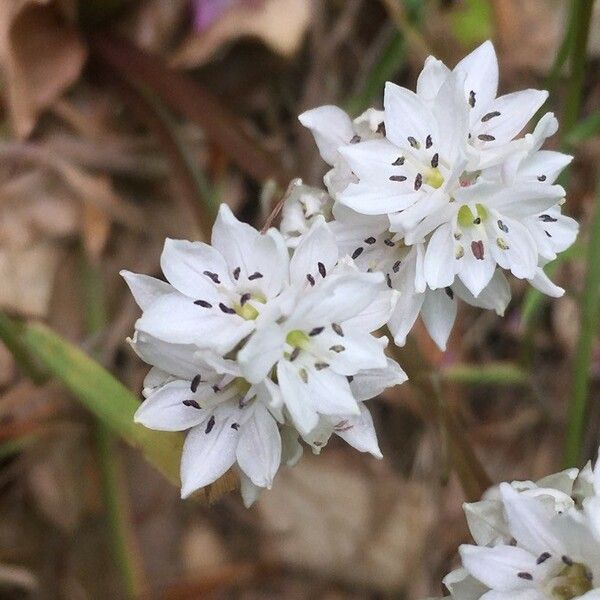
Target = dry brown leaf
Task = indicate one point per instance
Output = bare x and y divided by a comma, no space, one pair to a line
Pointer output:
280,24
41,55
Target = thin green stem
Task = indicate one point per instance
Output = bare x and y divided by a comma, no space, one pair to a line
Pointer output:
590,305
96,316
10,334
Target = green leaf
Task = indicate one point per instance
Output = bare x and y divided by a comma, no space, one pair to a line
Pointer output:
585,129
103,395
473,23
499,373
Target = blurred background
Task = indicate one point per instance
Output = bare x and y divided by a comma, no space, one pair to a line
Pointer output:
126,121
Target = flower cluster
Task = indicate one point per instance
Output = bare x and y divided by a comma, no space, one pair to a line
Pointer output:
261,341
252,348
437,192
534,541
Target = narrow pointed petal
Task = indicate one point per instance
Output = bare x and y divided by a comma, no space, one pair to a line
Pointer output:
263,349
439,313
360,432
145,289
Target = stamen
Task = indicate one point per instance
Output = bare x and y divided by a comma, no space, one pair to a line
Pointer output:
303,375
357,252
548,234
191,404
203,303
216,389
245,298
355,139
388,280
381,128
428,142
477,249
321,365
472,99
396,266
502,226
210,424
338,329
477,221
397,178
254,276
337,348
449,293
236,273
316,331
525,575
370,240
389,243
459,252
418,181
543,557
349,378
542,178
235,426
398,162
212,276
501,243
489,116
195,383
435,160
486,137
567,561
322,270
413,142
226,309
548,219
310,278
295,353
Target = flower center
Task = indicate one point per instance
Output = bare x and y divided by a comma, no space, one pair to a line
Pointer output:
245,310
433,177
466,218
573,581
297,338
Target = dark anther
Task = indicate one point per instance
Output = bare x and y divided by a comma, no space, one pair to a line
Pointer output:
477,249
477,221
195,383
254,276
355,139
310,278
388,280
245,298
418,181
547,233
428,142
490,115
350,378
548,219
567,561
472,99
370,240
321,365
357,252
235,426
389,243
435,160
543,557
216,389
525,575
212,276
226,309
322,270
502,226
236,273
413,142
338,329
381,128
203,303
397,178
337,348
295,353
542,178
210,424
398,162
486,137
396,266
449,293
316,331
191,403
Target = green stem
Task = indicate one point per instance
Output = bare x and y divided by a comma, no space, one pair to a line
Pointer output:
590,304
10,334
96,314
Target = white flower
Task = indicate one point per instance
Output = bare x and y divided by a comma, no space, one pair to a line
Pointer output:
333,129
547,546
302,206
429,174
228,421
322,346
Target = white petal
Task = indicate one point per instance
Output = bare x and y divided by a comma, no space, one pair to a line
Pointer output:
259,447
185,265
486,522
174,318
481,71
495,296
317,253
475,272
263,349
376,314
513,247
439,258
525,199
291,448
462,586
406,115
361,350
330,393
498,567
541,282
431,78
331,128
145,289
404,316
544,163
439,313
360,432
164,409
370,383
209,450
379,198
296,397
262,259
250,492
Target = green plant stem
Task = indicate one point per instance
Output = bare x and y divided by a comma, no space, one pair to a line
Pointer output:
10,334
119,528
589,321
